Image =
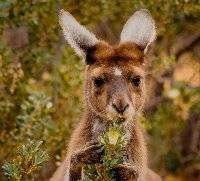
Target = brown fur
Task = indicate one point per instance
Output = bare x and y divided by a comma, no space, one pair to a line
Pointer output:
103,51
101,60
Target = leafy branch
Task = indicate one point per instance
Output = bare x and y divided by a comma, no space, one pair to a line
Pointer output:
114,141
30,157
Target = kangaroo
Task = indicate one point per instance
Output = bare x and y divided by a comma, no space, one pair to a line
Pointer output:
114,88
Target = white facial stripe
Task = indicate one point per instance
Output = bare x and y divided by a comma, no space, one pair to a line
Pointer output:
117,72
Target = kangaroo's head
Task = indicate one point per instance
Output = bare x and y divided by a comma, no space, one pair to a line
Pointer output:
115,75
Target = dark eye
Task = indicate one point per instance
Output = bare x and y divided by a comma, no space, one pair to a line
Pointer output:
98,82
136,81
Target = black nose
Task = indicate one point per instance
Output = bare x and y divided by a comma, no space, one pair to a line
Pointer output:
120,108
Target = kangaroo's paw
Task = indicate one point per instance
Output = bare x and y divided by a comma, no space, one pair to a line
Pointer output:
90,153
126,172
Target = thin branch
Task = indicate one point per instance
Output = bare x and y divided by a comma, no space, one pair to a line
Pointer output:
184,43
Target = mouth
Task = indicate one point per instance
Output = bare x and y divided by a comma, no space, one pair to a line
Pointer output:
116,117
121,119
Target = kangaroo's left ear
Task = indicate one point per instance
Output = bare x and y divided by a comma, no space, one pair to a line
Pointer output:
140,29
76,35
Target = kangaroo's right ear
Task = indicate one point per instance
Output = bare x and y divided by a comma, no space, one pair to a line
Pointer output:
140,29
75,34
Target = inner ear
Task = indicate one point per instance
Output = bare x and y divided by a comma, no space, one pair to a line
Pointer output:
76,35
140,29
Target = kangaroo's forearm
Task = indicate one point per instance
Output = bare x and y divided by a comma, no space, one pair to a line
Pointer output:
75,169
74,175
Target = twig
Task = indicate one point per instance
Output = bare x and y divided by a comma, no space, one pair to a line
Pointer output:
185,42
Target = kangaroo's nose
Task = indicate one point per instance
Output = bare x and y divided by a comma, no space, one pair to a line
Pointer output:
120,107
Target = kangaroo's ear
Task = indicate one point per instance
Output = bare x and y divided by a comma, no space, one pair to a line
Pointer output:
140,29
75,34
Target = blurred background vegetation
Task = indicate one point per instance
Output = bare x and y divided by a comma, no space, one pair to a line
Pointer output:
41,83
